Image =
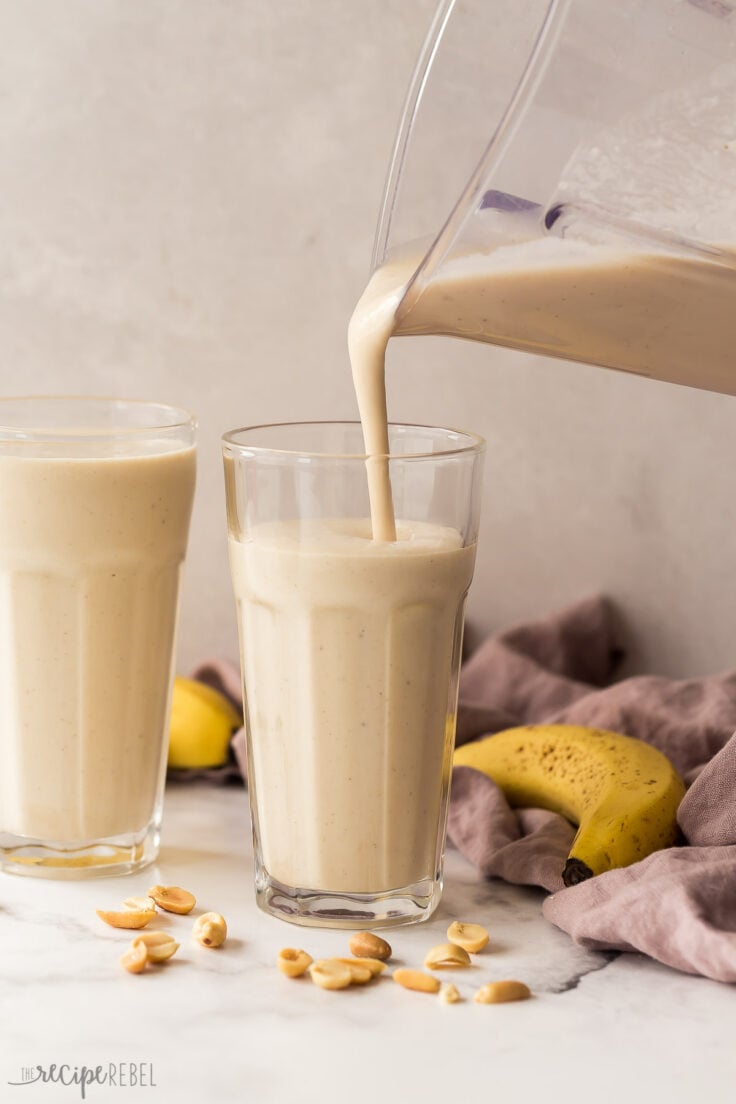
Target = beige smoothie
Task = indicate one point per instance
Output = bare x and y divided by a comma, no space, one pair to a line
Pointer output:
347,651
660,315
91,549
666,316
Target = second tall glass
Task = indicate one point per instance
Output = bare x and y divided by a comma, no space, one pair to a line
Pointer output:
95,498
350,653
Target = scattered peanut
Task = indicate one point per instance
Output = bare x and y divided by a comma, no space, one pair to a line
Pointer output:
140,904
416,979
210,929
293,963
448,993
328,973
159,945
367,945
135,958
375,966
471,937
359,974
131,918
173,899
447,956
500,992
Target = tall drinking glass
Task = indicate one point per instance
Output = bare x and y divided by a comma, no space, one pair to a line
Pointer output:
95,499
350,652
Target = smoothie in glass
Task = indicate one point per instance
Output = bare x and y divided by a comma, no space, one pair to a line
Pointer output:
95,499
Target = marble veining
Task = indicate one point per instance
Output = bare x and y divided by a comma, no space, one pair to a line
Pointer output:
605,958
226,1026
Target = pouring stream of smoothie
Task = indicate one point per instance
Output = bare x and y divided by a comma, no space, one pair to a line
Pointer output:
662,315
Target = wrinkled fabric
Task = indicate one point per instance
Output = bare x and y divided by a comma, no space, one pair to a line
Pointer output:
678,905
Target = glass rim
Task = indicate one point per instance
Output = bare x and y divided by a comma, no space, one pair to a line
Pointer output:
179,418
472,442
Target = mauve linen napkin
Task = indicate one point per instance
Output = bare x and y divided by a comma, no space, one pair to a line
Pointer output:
678,905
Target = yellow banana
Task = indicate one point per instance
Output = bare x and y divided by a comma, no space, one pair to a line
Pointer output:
622,794
202,723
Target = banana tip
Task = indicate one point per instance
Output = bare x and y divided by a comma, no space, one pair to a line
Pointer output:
576,871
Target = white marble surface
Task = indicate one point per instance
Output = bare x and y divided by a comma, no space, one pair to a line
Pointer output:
226,1026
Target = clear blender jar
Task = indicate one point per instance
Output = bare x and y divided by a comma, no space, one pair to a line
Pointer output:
562,182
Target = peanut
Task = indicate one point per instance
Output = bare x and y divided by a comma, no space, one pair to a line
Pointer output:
447,956
448,993
500,992
131,918
293,963
471,937
139,904
210,929
359,974
375,966
417,980
135,958
328,973
173,899
159,945
367,945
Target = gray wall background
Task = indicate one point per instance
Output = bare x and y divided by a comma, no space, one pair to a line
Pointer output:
188,192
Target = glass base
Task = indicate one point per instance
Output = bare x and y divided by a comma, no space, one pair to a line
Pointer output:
103,858
321,909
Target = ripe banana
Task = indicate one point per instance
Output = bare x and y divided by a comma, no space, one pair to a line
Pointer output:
622,794
202,723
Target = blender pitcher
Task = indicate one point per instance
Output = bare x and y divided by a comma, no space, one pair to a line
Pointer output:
562,183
